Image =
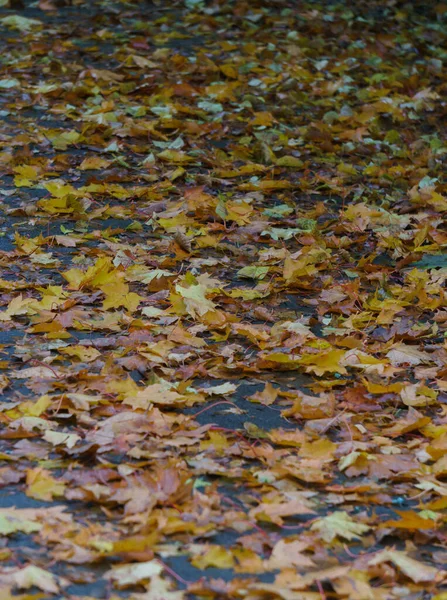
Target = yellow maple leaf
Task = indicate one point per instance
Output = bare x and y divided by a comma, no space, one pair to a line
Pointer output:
18,306
32,576
35,409
239,212
160,589
175,156
100,273
157,393
25,175
214,556
194,299
131,574
41,485
414,569
117,294
94,162
324,362
84,353
339,524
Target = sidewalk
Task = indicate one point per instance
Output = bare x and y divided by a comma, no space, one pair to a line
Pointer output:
222,300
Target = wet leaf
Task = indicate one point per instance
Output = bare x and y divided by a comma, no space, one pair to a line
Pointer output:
339,524
126,575
413,569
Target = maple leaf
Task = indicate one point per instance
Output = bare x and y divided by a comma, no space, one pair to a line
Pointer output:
339,524
275,510
42,486
418,395
23,24
402,354
101,273
37,408
253,272
289,554
324,362
31,423
25,174
84,353
17,306
41,372
413,420
220,390
440,466
175,156
122,423
312,407
94,162
267,396
410,520
157,393
57,438
117,294
126,575
159,589
196,303
214,556
413,569
34,576
11,522
297,269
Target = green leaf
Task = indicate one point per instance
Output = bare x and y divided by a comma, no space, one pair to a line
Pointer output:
289,161
253,272
6,84
20,23
11,523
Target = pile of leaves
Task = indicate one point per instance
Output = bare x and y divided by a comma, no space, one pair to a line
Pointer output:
222,300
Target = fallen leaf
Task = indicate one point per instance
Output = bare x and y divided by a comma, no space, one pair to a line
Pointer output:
339,524
131,574
413,569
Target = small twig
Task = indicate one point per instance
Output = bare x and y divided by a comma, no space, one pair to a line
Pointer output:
213,405
348,552
174,574
252,522
345,421
334,420
39,362
320,589
419,495
59,405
